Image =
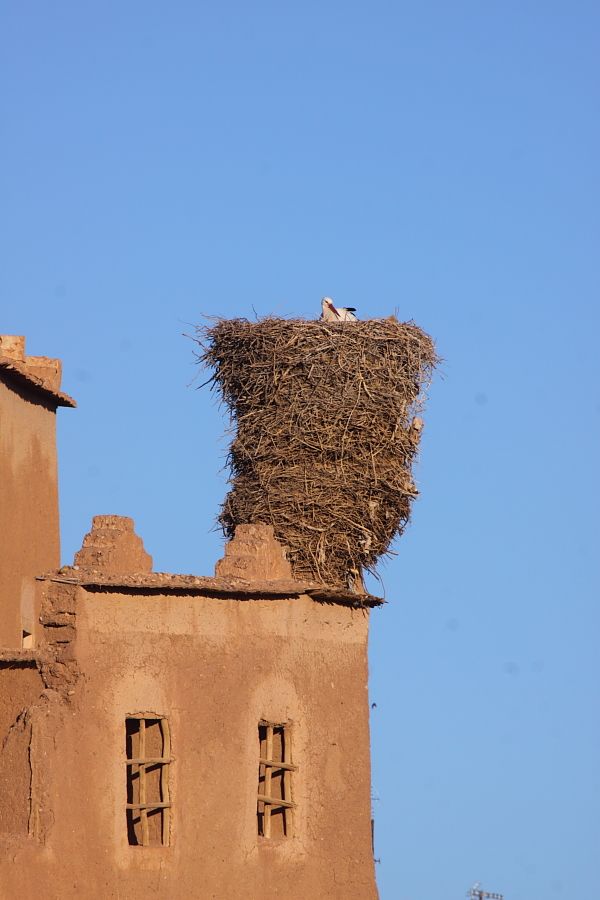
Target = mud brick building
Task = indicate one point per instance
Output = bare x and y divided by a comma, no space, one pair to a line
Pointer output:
168,735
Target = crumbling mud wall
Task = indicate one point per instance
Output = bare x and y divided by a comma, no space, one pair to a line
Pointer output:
325,433
36,688
58,658
20,688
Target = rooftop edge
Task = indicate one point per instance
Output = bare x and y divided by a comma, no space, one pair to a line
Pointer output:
164,582
19,371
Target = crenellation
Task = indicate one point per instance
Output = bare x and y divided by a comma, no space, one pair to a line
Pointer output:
255,555
113,547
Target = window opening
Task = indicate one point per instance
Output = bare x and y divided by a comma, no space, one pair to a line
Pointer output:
27,640
275,768
148,752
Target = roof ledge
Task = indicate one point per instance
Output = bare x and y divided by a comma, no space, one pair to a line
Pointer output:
41,373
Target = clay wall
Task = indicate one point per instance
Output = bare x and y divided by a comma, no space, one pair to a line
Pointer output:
215,667
20,689
29,527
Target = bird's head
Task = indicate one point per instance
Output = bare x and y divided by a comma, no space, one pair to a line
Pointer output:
327,303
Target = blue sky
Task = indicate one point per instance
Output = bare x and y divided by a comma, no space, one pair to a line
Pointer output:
162,161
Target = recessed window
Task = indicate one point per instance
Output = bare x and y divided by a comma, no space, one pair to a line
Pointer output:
27,640
148,752
275,770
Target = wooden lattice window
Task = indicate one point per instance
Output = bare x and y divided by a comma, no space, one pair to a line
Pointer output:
275,769
148,752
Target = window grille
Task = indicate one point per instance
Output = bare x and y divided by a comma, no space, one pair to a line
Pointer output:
275,769
148,752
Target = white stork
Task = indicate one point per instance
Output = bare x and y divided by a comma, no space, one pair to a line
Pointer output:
331,313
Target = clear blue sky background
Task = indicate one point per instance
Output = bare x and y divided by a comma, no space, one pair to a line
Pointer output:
160,161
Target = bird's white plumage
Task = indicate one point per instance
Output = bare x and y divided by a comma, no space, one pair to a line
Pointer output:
332,313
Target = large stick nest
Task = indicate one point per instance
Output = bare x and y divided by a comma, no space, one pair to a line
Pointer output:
324,434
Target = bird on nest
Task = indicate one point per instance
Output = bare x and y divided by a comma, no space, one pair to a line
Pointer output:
331,313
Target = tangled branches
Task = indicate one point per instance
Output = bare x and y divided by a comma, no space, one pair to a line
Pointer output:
324,433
